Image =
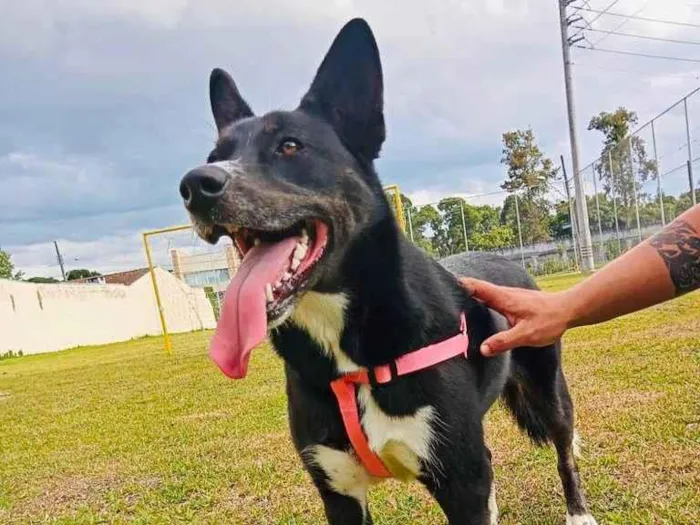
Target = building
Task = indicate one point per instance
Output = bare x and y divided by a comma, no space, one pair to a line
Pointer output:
212,270
126,278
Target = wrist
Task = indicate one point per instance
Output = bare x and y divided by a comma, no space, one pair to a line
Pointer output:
569,301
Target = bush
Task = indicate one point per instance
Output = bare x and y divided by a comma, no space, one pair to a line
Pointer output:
552,264
10,354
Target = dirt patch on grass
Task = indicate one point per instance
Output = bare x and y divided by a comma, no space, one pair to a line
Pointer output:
64,496
201,416
620,400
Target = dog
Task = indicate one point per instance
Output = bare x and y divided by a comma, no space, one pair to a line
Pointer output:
328,275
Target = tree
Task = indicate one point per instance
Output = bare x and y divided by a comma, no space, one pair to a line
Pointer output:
560,223
607,212
628,157
81,273
42,280
530,174
7,267
420,220
450,238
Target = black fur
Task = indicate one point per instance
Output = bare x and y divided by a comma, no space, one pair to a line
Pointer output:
399,298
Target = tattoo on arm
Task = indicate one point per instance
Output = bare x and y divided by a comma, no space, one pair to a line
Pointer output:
679,247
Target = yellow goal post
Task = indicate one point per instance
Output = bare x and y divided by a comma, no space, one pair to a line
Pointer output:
394,195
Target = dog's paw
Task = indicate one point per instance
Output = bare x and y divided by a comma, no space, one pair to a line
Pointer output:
580,519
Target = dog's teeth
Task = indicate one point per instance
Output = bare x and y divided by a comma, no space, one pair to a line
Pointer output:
300,251
277,285
268,293
256,242
286,276
295,264
304,236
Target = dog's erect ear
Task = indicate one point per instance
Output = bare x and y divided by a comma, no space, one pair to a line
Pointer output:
348,90
227,105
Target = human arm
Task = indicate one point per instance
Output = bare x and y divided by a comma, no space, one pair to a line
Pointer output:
662,267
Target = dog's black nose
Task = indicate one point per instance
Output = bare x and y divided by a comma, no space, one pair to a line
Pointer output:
202,187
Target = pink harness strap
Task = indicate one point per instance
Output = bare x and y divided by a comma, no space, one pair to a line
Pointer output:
344,389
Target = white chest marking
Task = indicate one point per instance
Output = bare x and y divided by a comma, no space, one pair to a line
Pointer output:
400,441
345,474
323,317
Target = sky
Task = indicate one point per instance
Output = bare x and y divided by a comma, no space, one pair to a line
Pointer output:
104,105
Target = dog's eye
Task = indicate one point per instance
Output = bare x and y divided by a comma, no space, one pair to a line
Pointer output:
289,147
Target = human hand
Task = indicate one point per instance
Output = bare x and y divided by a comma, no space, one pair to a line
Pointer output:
536,318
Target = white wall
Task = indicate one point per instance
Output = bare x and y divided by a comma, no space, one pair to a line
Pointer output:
38,318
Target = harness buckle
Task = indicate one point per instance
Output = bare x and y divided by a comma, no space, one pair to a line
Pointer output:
372,376
463,329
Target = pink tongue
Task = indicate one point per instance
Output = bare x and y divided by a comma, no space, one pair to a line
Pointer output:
243,322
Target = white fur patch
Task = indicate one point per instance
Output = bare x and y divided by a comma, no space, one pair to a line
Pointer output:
580,519
576,444
345,474
232,167
493,507
322,315
399,440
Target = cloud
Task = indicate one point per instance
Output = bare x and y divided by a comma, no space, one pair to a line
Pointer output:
105,106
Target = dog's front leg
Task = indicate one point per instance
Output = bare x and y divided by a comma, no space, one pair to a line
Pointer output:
342,483
463,486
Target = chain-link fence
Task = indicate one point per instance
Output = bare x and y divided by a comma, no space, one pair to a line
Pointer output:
532,230
632,190
637,186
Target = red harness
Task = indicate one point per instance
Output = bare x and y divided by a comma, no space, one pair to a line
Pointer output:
344,389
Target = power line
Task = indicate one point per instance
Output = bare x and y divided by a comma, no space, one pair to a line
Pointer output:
631,35
604,11
693,75
623,23
645,55
645,19
589,23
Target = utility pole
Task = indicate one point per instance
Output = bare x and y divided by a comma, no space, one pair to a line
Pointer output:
572,217
586,244
60,260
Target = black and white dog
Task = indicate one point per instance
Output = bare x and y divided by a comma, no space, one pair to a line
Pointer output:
339,288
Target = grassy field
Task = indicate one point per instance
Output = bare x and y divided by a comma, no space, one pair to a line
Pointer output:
123,433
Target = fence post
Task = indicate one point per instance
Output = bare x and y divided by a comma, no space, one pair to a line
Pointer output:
464,225
597,207
690,152
634,185
520,232
410,223
572,217
614,196
658,176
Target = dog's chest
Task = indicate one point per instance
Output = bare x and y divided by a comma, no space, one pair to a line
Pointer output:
402,442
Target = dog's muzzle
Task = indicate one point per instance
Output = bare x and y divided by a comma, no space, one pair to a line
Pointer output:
202,188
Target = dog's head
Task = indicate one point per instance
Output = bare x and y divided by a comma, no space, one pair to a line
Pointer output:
291,188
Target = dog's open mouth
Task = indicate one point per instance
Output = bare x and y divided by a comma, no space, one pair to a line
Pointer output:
276,269
311,240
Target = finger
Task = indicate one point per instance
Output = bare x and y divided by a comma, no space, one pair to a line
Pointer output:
486,292
504,341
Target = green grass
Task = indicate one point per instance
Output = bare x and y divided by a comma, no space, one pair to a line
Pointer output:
124,433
